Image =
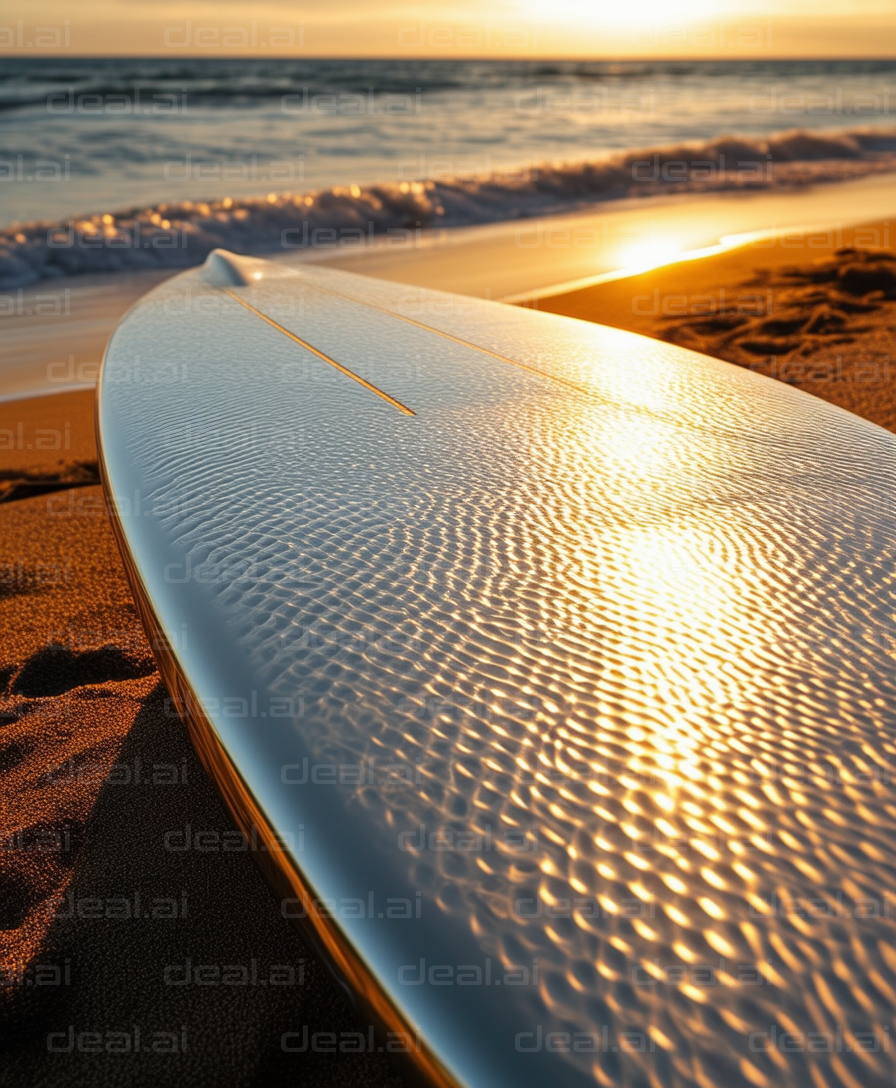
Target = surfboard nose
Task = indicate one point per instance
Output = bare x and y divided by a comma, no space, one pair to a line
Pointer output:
223,269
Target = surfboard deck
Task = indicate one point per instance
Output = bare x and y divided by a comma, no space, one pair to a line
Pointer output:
553,667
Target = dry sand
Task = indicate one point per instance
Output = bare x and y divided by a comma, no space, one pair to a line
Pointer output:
96,770
814,309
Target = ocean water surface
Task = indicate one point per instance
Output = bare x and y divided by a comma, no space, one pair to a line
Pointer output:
130,163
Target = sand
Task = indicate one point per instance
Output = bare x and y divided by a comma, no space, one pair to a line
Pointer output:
510,261
104,898
102,890
52,334
815,309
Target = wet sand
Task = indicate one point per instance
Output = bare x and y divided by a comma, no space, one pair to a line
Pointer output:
815,309
53,333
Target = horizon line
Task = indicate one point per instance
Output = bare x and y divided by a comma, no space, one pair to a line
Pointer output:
639,58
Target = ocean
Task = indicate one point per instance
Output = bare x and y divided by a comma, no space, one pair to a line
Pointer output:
127,163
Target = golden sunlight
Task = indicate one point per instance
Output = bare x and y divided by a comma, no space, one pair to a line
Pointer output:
629,16
646,255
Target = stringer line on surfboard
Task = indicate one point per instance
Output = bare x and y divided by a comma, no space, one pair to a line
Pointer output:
459,340
326,358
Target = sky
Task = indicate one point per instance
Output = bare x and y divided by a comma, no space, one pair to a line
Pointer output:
459,28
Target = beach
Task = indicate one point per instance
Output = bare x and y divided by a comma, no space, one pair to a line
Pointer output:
134,918
55,330
815,309
108,897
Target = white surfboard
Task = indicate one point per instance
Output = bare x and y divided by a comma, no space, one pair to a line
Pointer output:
555,667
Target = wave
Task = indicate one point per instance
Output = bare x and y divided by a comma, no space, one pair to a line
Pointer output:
101,96
179,235
209,82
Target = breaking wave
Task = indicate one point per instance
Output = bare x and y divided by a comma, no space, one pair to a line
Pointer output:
181,234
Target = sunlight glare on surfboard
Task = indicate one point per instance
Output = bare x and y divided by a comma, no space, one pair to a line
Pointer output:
571,665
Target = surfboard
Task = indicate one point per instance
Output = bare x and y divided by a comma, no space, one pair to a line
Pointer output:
552,668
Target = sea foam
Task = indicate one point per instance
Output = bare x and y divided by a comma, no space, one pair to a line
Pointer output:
181,234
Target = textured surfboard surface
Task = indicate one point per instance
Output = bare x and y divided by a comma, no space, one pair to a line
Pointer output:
561,661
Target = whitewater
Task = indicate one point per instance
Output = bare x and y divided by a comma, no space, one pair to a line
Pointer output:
126,165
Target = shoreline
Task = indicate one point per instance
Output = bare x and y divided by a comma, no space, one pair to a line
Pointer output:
178,231
819,315
55,331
